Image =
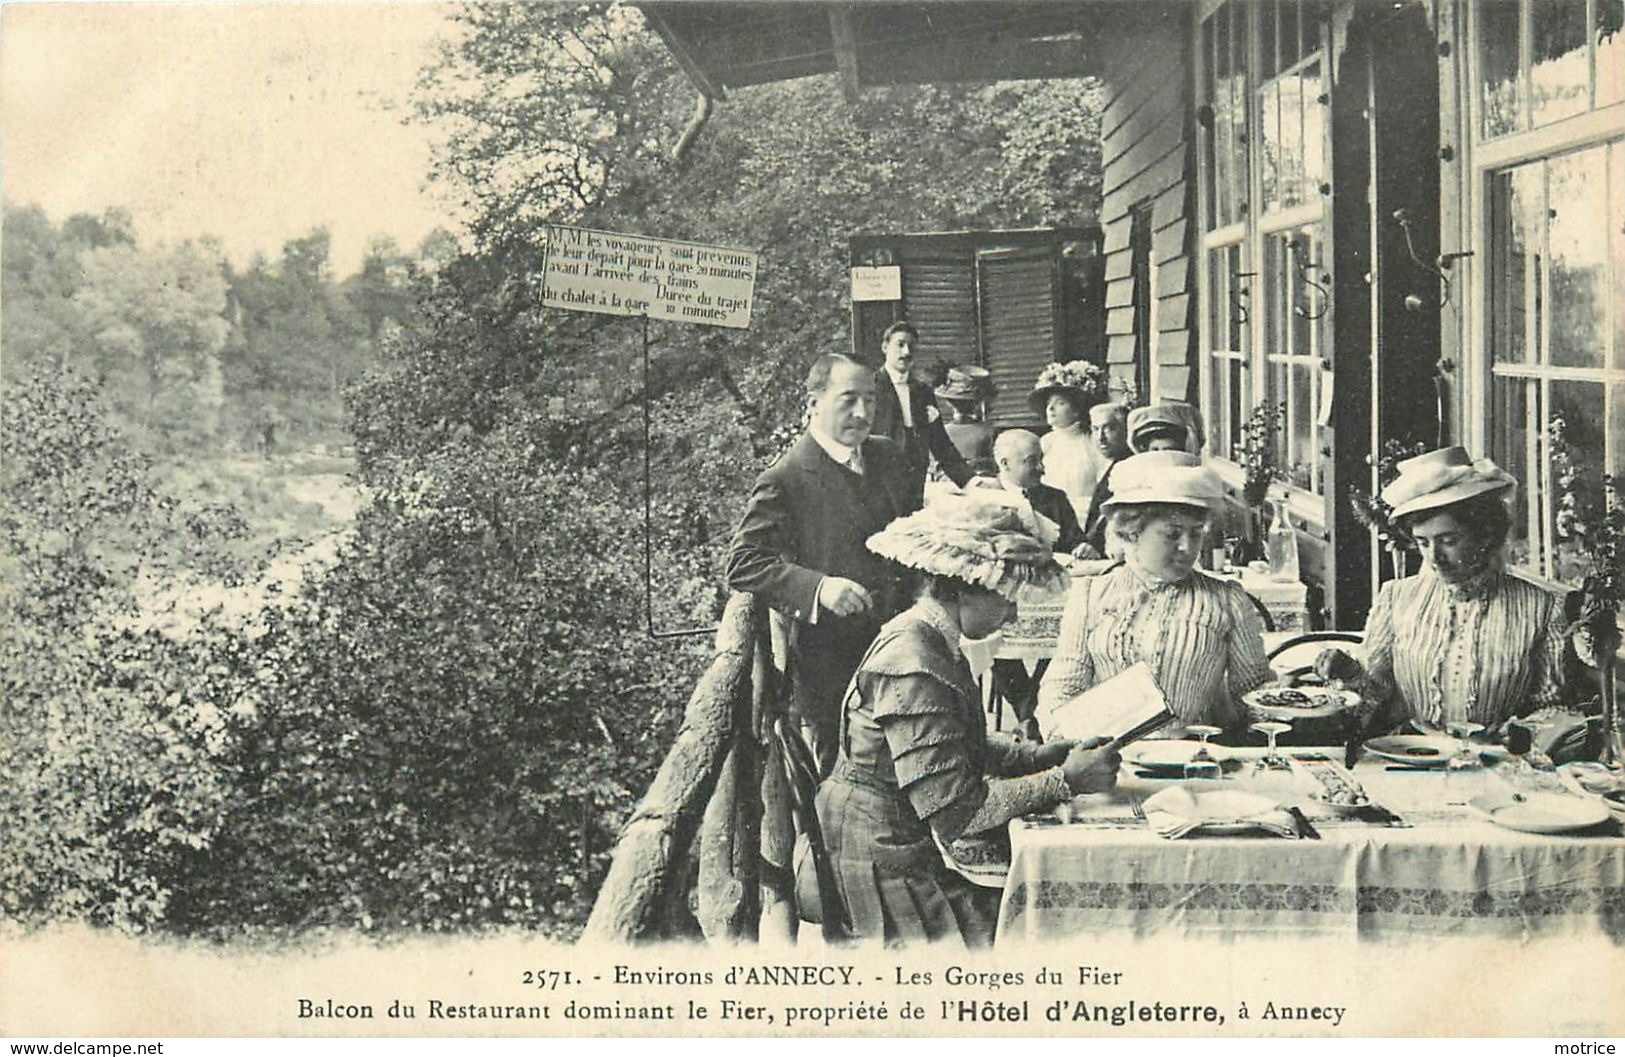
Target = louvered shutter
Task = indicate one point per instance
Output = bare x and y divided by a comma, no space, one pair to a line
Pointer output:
939,298
1018,294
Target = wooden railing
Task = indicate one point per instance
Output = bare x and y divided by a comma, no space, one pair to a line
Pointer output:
710,849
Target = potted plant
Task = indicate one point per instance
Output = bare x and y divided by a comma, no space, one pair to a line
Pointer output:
1592,516
1376,515
1256,454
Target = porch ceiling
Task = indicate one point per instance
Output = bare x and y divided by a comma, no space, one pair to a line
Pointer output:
733,45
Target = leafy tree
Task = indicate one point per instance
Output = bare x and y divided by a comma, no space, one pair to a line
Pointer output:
155,322
103,743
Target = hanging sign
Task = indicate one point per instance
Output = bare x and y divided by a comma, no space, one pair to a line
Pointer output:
633,275
877,284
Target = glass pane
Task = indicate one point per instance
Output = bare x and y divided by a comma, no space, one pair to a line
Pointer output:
1616,229
1274,291
1236,397
1269,156
1516,432
1560,64
1581,405
1610,52
1516,207
1240,166
1266,40
1498,67
1291,160
1240,300
1224,133
1288,34
1300,427
1577,237
1314,131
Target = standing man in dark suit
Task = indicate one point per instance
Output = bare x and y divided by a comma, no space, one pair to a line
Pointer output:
906,412
800,544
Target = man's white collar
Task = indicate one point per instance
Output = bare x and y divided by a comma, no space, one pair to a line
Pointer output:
832,447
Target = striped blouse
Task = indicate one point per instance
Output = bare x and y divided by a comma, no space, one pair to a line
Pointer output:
1484,658
1201,637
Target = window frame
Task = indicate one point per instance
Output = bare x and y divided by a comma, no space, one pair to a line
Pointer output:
1251,231
1483,161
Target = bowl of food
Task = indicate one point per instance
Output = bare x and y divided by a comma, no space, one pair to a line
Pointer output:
1289,703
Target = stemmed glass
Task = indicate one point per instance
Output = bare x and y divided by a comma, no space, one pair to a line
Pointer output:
1202,765
1464,771
1272,774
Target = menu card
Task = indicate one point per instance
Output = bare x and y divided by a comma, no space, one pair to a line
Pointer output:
1124,708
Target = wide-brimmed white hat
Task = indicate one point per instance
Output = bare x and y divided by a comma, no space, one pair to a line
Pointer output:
984,544
1438,478
1165,477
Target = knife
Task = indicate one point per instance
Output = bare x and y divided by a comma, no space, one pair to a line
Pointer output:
1304,828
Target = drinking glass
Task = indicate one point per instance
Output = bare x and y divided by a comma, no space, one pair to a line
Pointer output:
1202,764
1464,771
1272,774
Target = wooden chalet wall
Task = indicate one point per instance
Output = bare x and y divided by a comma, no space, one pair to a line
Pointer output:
1148,156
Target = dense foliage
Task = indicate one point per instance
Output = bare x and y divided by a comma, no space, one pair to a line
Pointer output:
446,728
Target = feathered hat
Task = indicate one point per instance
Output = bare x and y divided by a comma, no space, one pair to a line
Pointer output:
1084,381
980,543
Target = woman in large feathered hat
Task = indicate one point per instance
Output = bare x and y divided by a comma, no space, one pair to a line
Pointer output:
917,769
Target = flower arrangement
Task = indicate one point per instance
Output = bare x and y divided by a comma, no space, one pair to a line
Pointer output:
1256,452
1376,515
1592,517
1075,374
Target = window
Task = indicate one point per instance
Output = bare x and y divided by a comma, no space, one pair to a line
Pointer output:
1546,180
1266,187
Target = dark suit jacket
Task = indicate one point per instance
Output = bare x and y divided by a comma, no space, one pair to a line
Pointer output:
928,437
1094,533
1053,504
809,517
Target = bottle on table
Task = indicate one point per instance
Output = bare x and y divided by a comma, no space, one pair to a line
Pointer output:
1281,545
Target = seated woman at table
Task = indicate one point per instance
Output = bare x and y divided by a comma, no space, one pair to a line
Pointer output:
915,757
1201,637
1463,640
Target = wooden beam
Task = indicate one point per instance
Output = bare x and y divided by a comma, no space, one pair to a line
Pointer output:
687,61
845,43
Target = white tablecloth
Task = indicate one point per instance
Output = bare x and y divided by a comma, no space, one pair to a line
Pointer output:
1448,872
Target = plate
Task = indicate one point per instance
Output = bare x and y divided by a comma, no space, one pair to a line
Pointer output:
1426,750
1540,812
1299,702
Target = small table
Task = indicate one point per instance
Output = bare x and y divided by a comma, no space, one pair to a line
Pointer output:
1445,871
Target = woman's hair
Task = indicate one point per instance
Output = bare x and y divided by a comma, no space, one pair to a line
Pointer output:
1129,521
942,588
1080,403
1178,434
1484,516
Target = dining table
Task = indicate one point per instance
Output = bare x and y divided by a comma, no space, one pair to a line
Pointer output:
1416,864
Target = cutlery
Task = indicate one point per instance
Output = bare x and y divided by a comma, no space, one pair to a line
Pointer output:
1305,829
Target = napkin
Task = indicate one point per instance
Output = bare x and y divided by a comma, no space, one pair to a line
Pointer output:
1176,812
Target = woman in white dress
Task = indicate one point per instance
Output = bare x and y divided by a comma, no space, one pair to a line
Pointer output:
1063,396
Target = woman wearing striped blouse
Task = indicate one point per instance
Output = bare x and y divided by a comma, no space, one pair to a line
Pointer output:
1201,637
1463,640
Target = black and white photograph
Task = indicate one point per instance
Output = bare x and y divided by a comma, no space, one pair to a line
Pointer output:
812,519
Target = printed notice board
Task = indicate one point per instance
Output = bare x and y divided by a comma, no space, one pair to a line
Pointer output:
633,275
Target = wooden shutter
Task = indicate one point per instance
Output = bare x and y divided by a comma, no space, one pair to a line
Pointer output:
1019,332
939,297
